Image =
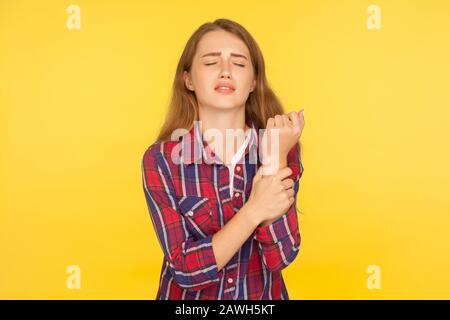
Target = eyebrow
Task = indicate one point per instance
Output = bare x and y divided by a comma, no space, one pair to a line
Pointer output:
218,54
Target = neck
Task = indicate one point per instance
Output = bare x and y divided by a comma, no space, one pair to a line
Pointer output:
222,120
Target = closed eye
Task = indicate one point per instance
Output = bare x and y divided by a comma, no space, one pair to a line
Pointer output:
240,65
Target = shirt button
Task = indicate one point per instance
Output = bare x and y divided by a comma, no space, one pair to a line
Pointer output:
190,213
238,168
236,194
230,280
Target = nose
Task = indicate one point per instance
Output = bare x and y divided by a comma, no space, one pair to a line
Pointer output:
224,72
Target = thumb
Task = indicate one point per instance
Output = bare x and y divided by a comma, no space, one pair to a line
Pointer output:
258,175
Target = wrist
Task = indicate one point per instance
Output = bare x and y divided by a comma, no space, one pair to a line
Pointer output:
271,165
265,223
252,213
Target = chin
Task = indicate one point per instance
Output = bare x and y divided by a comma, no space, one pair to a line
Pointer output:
226,103
225,106
222,102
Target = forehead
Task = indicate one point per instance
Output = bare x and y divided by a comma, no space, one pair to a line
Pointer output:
223,41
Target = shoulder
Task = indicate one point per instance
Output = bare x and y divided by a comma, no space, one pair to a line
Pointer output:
158,151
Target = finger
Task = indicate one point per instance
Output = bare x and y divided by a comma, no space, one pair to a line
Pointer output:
267,133
286,121
270,123
295,119
290,192
278,121
258,175
283,173
288,183
301,115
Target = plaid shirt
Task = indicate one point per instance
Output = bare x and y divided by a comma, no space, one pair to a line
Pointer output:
189,201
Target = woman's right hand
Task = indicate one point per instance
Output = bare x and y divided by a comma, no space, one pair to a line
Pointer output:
272,195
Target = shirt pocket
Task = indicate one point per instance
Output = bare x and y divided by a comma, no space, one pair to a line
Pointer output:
198,215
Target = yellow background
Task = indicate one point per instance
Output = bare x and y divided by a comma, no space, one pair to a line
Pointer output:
79,107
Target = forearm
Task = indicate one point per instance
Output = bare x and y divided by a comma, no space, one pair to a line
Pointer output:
282,164
227,241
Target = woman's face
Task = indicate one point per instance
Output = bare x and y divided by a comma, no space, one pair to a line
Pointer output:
221,57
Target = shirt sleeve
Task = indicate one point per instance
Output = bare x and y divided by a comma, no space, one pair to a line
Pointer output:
279,242
191,262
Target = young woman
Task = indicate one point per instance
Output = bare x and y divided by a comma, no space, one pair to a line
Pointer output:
226,230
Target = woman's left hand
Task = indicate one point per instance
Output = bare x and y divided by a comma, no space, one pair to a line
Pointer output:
290,128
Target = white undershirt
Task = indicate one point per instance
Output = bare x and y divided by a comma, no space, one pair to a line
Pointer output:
234,160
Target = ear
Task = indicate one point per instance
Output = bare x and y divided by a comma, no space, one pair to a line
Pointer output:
253,85
188,81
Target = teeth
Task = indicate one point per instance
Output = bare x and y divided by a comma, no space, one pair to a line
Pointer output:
225,88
